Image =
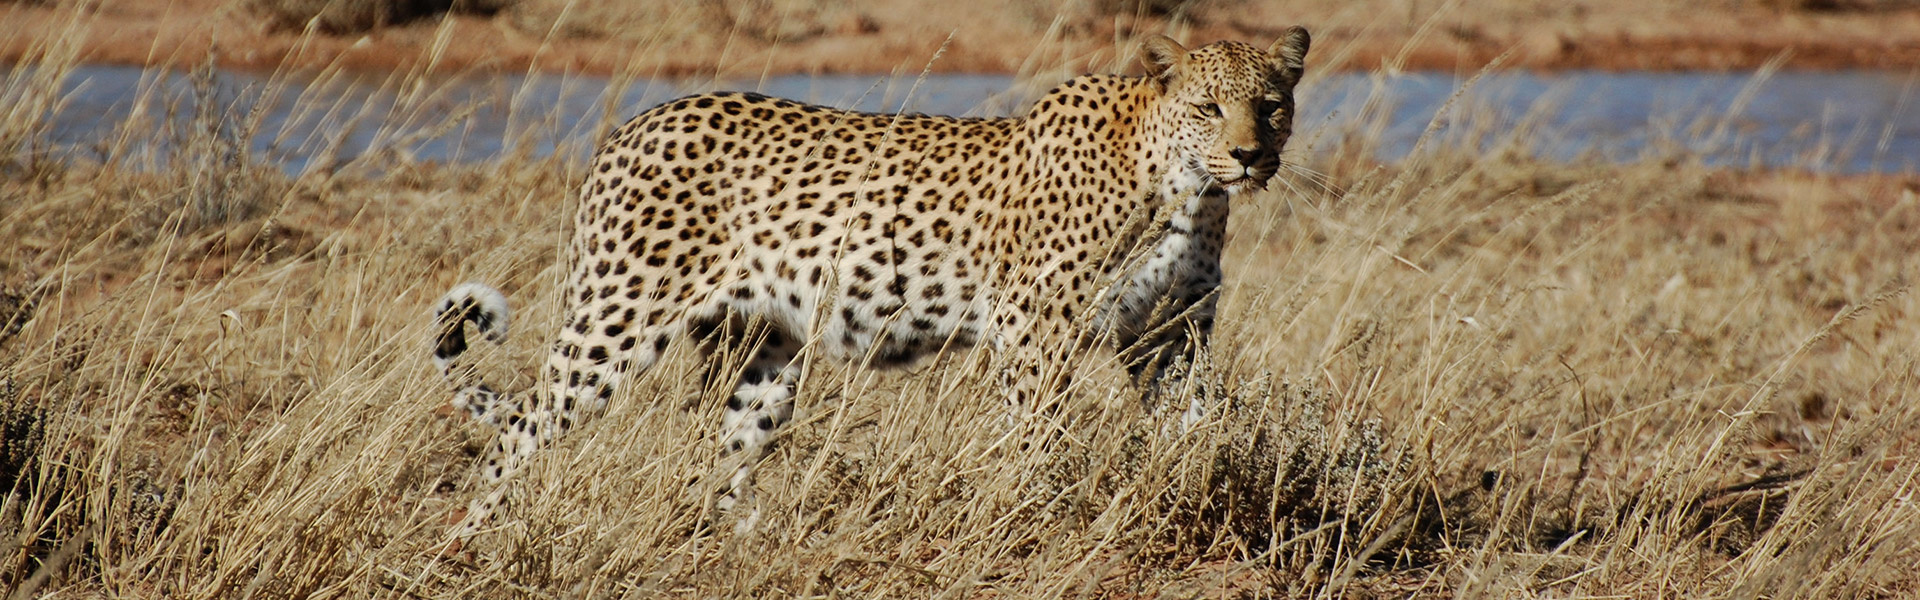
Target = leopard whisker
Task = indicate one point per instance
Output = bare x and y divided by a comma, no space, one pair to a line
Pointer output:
1322,182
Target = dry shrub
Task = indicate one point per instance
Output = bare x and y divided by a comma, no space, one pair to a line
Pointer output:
17,305
23,436
30,96
334,16
355,16
44,513
678,23
1150,8
1273,464
654,22
1284,463
788,20
1838,5
222,181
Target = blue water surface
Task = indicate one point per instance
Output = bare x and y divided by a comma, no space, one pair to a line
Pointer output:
1834,121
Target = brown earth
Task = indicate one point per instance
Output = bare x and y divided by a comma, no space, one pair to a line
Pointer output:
754,37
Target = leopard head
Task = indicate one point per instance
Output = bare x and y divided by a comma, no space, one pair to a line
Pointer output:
1229,104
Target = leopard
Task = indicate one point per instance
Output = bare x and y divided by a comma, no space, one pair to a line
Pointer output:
789,232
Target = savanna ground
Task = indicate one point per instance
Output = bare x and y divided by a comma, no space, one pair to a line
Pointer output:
1466,374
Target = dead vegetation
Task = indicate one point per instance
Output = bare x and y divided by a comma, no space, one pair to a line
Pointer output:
359,16
1464,375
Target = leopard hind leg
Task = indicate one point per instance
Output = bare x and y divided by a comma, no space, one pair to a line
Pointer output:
761,401
606,336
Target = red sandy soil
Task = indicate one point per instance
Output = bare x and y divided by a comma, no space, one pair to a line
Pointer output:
647,37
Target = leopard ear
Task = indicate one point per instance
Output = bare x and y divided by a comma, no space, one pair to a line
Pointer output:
1290,53
1163,58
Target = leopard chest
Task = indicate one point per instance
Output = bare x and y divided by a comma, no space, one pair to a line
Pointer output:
1175,273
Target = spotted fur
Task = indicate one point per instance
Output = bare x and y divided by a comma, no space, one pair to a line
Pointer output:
740,219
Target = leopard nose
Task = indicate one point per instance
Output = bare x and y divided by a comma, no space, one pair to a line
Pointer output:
1246,156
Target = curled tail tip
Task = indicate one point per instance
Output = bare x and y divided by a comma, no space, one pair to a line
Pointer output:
477,303
492,314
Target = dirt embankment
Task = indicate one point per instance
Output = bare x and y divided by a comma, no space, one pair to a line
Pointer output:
754,37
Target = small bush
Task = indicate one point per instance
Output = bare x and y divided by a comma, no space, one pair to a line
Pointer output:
17,306
23,435
767,21
1839,5
780,20
222,182
1149,8
354,16
577,19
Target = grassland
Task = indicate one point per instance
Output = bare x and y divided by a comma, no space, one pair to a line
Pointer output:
1467,374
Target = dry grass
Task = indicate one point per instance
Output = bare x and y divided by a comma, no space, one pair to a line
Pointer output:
1464,375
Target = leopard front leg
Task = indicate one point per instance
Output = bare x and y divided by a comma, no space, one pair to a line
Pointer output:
1036,345
1173,360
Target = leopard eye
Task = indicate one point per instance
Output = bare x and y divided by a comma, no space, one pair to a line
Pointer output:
1209,109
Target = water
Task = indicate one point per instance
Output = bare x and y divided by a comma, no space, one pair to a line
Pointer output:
1845,121
1834,121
